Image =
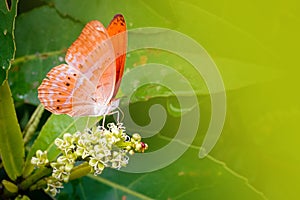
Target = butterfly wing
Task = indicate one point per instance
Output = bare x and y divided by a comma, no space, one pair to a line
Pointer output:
89,42
92,53
56,91
117,31
91,57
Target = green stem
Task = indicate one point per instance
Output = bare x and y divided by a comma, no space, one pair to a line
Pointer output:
40,184
32,124
39,174
37,56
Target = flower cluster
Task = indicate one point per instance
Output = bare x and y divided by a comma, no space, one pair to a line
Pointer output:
99,147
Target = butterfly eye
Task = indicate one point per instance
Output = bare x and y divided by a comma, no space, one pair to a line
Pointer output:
58,100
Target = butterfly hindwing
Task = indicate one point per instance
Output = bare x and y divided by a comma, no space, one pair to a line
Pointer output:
56,92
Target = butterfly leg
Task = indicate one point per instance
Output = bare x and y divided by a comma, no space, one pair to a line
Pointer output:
118,112
122,114
115,112
103,121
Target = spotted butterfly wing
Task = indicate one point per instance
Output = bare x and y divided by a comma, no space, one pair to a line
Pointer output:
86,85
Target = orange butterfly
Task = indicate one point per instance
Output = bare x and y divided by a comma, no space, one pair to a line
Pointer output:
88,83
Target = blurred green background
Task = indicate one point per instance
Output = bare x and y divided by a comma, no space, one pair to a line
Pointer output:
255,45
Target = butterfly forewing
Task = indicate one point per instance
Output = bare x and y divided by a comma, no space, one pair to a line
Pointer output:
92,53
90,39
117,31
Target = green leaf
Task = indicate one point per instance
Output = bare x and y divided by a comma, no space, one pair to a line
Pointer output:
260,137
104,11
11,187
11,141
8,14
200,179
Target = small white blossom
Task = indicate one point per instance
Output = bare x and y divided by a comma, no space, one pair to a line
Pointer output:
53,186
40,159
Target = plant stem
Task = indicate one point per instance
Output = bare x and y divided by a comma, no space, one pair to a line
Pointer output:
33,123
40,173
37,56
38,185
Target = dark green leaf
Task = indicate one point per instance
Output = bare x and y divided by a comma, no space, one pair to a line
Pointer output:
8,12
134,12
200,179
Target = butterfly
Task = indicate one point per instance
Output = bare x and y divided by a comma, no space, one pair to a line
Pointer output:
88,83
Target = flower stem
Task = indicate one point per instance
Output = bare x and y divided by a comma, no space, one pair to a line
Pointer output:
38,185
39,174
33,123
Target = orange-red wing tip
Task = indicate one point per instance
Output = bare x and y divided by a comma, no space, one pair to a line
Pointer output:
118,15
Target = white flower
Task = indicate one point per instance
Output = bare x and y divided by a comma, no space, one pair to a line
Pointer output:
40,159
